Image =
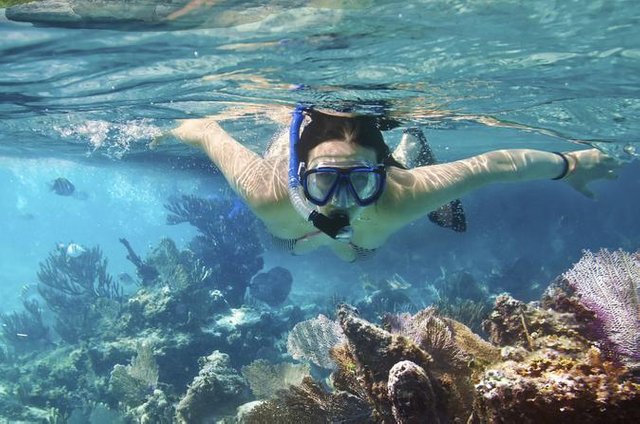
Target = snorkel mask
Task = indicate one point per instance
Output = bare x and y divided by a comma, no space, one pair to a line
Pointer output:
343,184
335,226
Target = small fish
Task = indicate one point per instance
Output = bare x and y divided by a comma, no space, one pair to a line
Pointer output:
126,279
62,187
74,250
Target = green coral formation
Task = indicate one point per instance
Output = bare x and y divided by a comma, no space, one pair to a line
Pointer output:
216,391
134,357
551,372
177,349
543,363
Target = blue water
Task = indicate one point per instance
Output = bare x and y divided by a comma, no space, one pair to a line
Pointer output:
84,100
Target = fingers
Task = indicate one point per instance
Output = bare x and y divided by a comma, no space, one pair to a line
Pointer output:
588,193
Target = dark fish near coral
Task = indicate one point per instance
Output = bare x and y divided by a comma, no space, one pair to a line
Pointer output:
62,186
271,287
126,279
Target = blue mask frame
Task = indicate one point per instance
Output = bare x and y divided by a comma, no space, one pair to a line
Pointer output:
343,181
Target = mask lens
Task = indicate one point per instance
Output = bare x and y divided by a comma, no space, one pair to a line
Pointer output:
320,184
365,184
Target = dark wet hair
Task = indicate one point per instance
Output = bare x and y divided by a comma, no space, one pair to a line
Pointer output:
361,130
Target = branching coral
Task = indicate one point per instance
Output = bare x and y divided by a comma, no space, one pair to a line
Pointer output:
75,287
228,242
146,272
65,280
184,293
25,329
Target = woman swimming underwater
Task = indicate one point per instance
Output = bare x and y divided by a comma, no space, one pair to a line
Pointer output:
338,185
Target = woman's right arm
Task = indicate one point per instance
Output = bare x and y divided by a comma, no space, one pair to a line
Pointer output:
256,180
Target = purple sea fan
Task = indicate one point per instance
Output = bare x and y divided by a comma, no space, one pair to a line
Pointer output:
608,283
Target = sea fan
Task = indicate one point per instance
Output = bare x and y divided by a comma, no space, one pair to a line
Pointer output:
312,340
608,283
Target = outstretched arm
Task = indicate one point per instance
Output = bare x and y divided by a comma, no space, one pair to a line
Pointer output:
423,189
256,180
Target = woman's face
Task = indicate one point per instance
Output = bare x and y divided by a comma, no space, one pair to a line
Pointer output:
339,153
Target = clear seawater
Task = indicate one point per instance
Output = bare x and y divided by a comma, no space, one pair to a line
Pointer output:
85,99
84,102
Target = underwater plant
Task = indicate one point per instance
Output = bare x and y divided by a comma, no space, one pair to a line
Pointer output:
77,288
266,379
310,402
312,340
25,330
608,284
131,384
228,242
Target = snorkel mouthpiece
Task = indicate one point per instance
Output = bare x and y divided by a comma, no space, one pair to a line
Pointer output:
335,226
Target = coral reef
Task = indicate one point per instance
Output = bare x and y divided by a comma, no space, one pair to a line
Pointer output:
265,378
147,357
214,392
568,359
146,272
312,340
383,296
608,284
131,384
309,402
221,223
78,290
187,305
545,362
460,296
378,370
551,372
25,330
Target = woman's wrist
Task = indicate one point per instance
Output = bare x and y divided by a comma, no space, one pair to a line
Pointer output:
570,163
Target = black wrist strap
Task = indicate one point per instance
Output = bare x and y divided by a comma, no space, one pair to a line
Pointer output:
567,166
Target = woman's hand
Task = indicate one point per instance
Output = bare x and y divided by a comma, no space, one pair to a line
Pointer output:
590,165
195,131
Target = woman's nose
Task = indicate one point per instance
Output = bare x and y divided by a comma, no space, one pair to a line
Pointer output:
341,197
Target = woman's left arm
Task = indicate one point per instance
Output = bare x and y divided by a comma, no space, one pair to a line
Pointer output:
420,190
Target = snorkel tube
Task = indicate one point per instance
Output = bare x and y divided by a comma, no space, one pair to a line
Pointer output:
337,225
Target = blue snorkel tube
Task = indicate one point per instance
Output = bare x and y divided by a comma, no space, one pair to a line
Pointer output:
337,226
